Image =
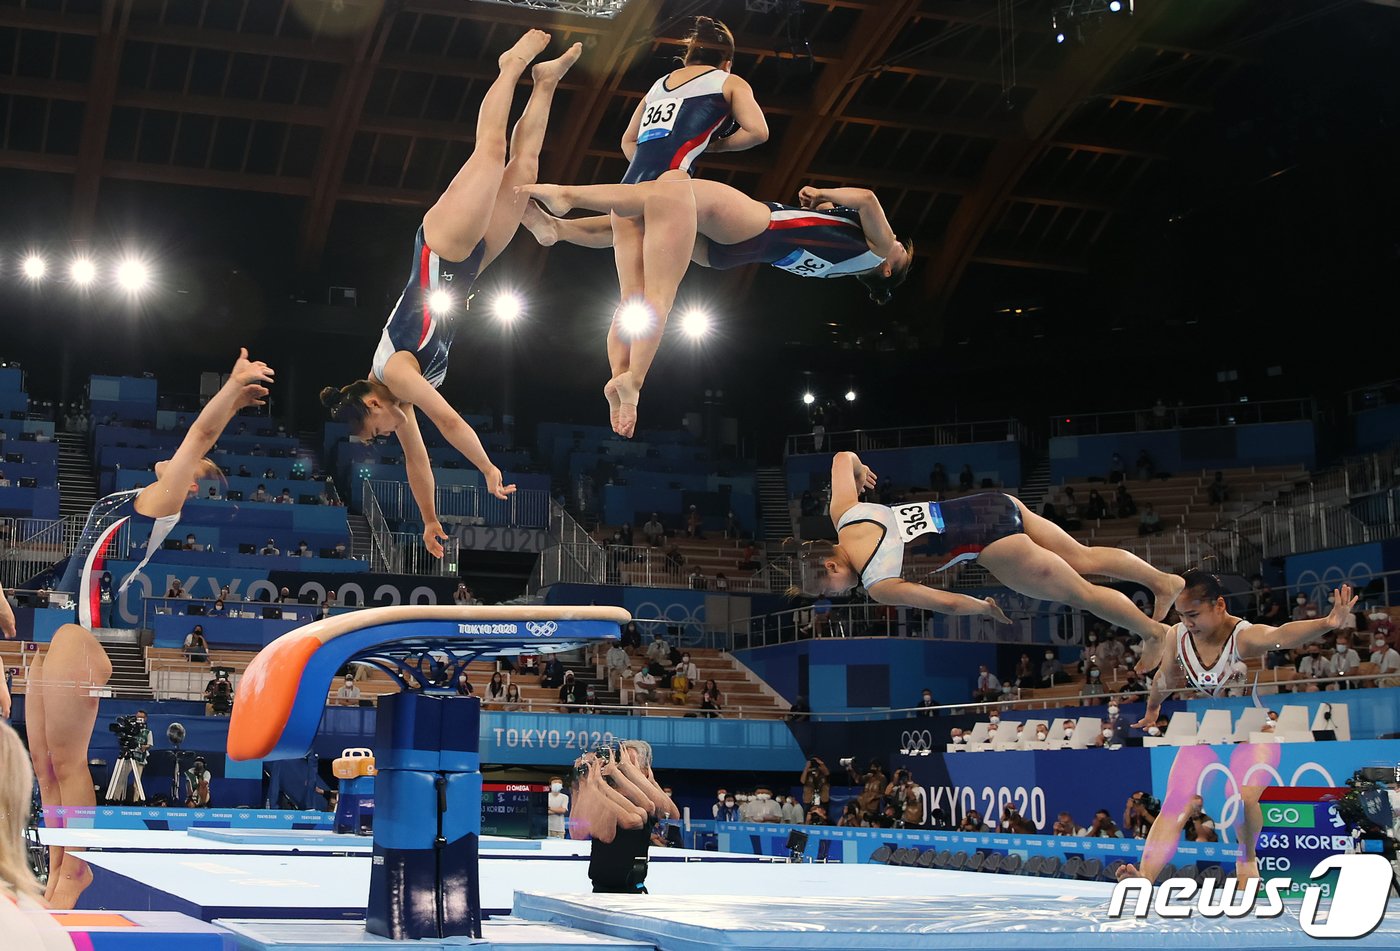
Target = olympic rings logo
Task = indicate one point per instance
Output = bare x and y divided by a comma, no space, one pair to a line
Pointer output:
541,628
915,743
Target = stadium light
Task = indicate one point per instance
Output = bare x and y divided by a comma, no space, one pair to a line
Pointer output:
35,267
83,271
508,307
808,398
635,319
439,302
850,396
132,276
695,323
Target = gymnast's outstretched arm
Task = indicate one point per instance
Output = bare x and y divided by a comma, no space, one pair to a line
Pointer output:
246,386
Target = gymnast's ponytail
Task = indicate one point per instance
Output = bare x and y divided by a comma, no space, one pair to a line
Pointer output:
709,44
810,566
881,288
346,405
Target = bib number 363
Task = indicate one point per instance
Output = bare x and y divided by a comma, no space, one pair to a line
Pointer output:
919,518
658,119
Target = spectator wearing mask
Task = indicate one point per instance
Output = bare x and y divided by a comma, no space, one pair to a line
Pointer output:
570,693
1124,505
552,673
558,806
727,810
1013,822
259,494
1067,729
1025,673
496,689
1111,654
284,597
851,817
1149,522
1303,609
972,822
1065,825
1344,661
349,692
1270,609
653,531
196,648
910,801
464,686
1103,827
765,809
711,700
644,684
191,543
1116,726
1314,665
270,548
631,637
1052,671
1382,626
926,701
176,590
1387,661
658,649
792,810
721,794
986,686
817,816
618,664
512,700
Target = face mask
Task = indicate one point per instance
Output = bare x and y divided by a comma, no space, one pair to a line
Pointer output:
1113,711
1341,649
1069,733
720,797
1094,674
729,804
1108,734
1302,600
995,720
1049,656
556,787
1092,639
764,797
927,698
959,739
1040,734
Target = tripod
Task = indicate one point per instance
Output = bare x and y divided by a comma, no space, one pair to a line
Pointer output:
126,767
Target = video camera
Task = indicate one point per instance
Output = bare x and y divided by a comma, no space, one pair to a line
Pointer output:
129,731
1369,808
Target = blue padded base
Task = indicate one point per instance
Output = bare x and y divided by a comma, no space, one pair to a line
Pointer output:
291,839
504,933
978,921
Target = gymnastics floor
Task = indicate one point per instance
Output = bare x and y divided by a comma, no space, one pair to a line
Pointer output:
535,895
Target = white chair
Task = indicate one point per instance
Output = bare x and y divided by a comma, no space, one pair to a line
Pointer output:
1215,727
1181,731
977,739
1291,727
1252,720
1086,730
1340,719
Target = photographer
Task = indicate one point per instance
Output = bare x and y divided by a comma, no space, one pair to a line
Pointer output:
908,798
816,783
134,742
1139,814
218,694
196,648
616,787
197,778
1199,827
874,782
1013,822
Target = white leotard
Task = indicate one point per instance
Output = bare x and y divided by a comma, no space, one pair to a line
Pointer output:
1229,668
887,561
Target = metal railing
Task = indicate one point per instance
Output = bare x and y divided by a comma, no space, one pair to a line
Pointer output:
526,508
401,553
1183,417
942,434
646,567
30,546
573,556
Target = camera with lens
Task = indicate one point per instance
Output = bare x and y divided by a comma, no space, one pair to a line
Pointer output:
129,731
847,760
1369,808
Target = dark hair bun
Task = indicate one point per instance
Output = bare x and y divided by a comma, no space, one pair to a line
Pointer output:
330,397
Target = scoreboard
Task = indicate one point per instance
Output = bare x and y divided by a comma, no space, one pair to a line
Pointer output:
517,810
1301,828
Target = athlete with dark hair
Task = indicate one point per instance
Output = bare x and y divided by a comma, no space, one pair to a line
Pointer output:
1206,651
467,229
1027,553
678,119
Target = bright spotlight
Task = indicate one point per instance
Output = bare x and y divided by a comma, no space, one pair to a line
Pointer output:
132,276
808,398
1059,37
850,396
439,302
83,271
508,307
35,267
1114,6
695,324
635,319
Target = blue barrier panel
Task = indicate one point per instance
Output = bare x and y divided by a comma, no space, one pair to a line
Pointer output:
855,845
223,632
176,820
29,503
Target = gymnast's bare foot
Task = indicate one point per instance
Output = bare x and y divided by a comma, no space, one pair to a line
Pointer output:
1128,870
73,879
1166,595
526,48
550,196
553,70
623,394
539,224
1245,872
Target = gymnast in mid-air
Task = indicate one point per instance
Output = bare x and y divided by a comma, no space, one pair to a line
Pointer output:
465,230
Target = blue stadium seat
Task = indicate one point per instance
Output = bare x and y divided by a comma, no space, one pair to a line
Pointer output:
992,863
1011,864
881,855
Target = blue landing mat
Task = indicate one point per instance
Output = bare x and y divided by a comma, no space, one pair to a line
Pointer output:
511,933
977,921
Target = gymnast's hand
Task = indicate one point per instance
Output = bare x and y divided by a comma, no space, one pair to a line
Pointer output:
433,536
1343,604
809,197
249,377
867,479
995,612
494,486
1149,719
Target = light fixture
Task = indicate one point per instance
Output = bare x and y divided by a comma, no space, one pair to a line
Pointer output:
83,271
35,267
508,307
132,276
850,396
695,323
634,318
439,302
808,398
